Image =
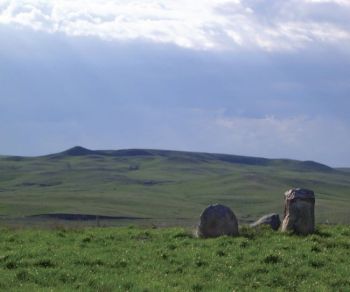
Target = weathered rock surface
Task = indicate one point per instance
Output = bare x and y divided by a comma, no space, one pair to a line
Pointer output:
217,220
272,219
299,211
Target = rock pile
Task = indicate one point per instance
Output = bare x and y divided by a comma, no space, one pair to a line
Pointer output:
299,217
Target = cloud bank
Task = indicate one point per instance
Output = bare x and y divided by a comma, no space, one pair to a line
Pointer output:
270,25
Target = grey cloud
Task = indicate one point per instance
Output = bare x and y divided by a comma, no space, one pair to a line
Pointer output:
210,25
66,91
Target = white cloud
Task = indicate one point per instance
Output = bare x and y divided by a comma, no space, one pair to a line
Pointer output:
299,137
287,130
205,24
320,139
340,2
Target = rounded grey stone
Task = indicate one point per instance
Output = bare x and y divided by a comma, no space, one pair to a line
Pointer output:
270,219
217,220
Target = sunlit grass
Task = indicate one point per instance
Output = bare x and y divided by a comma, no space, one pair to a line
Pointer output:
171,259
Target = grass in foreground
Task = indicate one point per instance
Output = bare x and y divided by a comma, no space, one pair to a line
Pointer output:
135,259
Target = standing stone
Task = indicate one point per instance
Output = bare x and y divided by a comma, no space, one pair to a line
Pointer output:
217,220
270,219
299,211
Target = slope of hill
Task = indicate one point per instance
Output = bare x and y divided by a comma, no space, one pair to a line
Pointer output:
203,157
164,185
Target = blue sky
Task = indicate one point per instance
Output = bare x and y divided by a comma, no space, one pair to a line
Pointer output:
253,77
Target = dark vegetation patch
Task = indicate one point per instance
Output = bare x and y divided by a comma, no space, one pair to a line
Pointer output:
312,165
14,158
45,263
11,265
155,182
242,159
40,184
132,152
78,151
272,259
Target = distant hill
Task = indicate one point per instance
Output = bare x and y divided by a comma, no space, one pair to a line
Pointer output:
197,156
162,185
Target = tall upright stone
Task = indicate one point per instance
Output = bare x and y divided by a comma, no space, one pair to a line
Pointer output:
217,220
299,211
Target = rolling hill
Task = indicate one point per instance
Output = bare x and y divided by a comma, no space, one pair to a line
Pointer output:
164,186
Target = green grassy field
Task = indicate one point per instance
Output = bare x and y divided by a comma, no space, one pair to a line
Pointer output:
166,186
171,259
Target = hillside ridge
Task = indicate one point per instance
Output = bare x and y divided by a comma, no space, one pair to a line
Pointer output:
200,156
165,185
178,155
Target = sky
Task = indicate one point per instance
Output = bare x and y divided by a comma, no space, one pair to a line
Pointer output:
265,78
